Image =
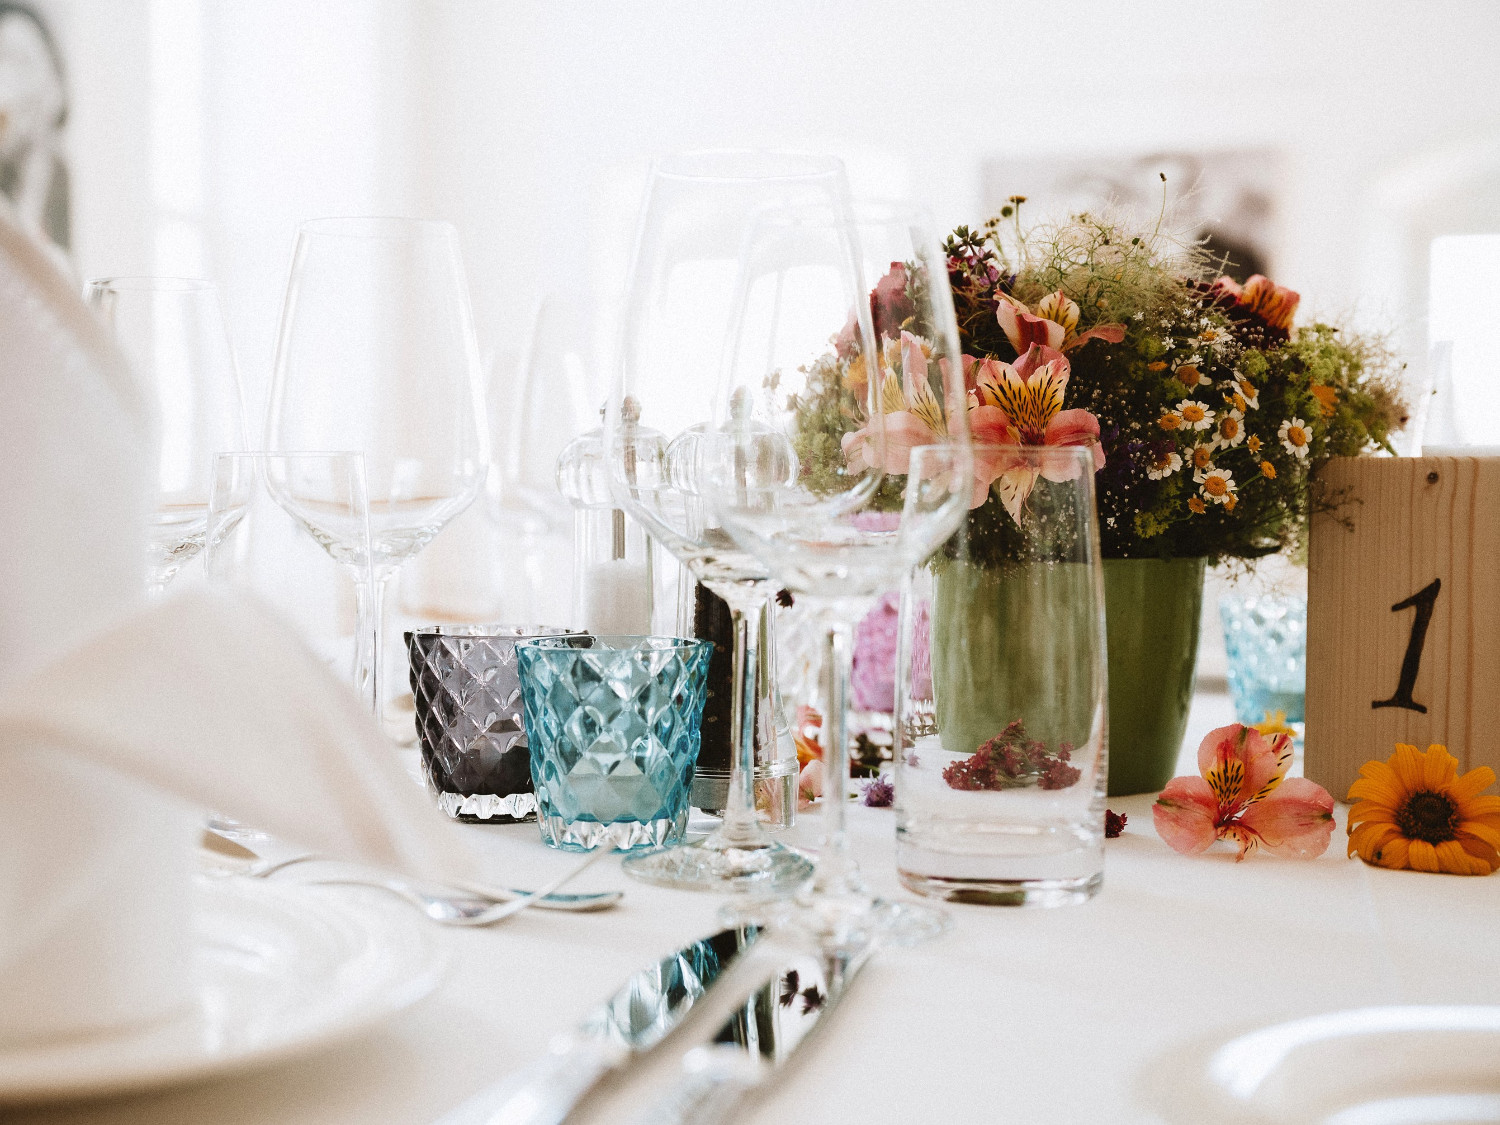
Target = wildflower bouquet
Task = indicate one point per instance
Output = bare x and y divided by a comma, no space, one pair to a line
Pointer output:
1207,409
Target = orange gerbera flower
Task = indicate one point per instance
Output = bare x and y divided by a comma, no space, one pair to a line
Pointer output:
1415,812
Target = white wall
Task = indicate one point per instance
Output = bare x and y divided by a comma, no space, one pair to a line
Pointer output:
529,124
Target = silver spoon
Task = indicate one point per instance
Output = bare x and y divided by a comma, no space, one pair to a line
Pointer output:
259,850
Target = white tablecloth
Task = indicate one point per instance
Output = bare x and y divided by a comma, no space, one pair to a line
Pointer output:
1031,1016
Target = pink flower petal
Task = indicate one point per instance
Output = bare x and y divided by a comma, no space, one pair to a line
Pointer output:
904,431
1023,329
1246,759
1296,820
1185,815
810,783
1110,333
1041,353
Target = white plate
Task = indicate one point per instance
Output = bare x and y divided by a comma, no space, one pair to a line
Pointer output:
1403,1065
281,969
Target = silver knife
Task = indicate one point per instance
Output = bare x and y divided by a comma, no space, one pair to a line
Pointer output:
635,1019
758,1038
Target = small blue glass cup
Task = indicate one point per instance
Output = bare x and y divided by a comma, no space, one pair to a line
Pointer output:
1265,638
613,724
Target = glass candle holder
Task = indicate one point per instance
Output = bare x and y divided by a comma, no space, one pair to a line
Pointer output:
468,706
613,724
1265,638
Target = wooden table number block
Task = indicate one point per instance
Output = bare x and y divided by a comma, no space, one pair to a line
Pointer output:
1403,614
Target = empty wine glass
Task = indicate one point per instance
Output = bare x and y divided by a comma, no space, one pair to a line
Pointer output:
275,521
171,330
376,353
840,460
697,211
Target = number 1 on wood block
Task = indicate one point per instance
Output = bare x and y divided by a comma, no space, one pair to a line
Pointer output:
1423,601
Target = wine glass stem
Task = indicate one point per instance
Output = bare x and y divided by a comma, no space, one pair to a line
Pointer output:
834,869
370,609
740,824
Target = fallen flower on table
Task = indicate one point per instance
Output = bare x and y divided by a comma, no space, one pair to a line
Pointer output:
1245,796
805,735
1010,760
1114,824
810,783
1413,811
878,794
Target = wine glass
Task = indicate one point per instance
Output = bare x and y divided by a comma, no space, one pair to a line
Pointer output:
840,460
376,354
171,330
275,521
698,209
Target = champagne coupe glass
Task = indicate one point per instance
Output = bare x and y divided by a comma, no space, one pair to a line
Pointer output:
377,354
697,211
171,330
841,460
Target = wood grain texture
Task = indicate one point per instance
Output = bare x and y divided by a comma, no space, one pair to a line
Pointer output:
1406,521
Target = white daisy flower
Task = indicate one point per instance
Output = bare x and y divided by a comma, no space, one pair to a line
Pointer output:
1195,415
1294,437
1231,429
1217,484
1163,467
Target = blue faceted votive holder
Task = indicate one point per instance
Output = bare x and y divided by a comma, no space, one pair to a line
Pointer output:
1266,641
613,724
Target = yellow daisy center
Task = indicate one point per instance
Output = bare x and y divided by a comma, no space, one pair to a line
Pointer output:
1229,426
1426,815
1192,412
1215,486
1202,454
1296,435
1169,421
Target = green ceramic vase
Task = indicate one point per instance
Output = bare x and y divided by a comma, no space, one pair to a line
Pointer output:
1152,609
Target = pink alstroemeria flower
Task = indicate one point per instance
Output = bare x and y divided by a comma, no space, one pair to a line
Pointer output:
911,414
1054,324
1021,404
1245,796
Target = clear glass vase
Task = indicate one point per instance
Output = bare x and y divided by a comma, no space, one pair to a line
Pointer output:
1001,750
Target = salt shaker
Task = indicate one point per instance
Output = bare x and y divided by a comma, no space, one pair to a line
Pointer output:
612,580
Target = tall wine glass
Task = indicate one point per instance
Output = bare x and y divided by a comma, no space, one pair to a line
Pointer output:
697,211
376,354
171,330
294,529
840,460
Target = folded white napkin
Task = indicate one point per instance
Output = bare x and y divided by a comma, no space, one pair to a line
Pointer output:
119,723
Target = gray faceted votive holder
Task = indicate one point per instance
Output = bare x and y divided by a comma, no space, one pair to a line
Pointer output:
468,713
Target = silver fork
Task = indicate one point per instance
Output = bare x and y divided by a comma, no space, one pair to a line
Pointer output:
452,910
471,901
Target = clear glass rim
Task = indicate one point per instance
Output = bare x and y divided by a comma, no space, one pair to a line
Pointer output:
613,642
738,165
978,445
495,631
149,283
269,454
376,227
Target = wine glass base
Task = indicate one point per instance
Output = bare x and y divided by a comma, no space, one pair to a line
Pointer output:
714,865
846,920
